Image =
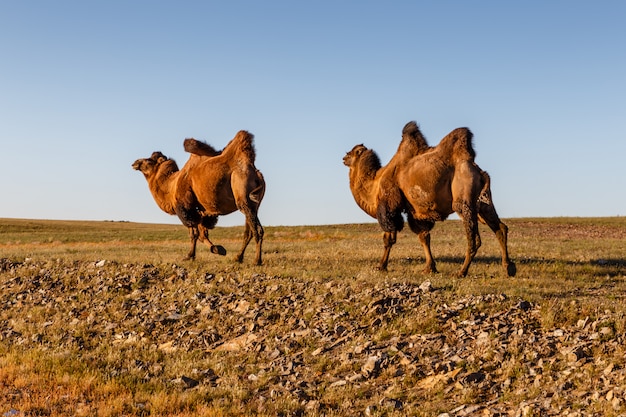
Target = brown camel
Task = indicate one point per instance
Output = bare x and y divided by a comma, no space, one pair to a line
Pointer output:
210,184
225,183
428,184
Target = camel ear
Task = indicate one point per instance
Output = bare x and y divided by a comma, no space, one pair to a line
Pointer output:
158,157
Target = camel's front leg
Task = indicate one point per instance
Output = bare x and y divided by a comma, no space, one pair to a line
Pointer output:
431,267
193,236
389,239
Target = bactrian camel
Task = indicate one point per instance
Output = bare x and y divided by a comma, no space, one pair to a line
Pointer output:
210,184
428,184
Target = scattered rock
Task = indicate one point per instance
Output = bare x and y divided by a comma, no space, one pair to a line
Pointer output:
371,366
238,343
426,286
189,382
282,338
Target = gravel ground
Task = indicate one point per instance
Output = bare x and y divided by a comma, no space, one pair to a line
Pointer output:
323,347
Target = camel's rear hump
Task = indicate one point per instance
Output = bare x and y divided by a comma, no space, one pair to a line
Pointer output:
242,144
458,145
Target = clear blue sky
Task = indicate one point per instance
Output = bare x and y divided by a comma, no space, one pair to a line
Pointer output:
88,87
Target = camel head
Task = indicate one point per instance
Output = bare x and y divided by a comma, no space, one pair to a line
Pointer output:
364,157
354,155
149,166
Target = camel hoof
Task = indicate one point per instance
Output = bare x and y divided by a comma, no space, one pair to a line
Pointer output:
218,250
429,270
511,269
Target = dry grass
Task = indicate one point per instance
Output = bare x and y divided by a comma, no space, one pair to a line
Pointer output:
291,337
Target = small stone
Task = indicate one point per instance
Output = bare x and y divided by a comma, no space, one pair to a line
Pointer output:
242,307
318,351
174,317
339,383
582,323
606,331
371,367
187,382
355,378
474,377
575,354
274,354
312,405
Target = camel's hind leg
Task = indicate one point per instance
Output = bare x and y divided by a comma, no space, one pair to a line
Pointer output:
258,235
247,237
487,214
254,229
470,221
248,202
422,229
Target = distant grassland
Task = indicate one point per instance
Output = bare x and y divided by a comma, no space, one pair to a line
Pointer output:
547,245
105,319
553,255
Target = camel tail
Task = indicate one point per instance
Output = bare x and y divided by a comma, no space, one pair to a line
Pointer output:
256,195
197,147
485,192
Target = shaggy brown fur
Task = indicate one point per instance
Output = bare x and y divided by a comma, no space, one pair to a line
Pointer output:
209,186
428,184
225,183
162,175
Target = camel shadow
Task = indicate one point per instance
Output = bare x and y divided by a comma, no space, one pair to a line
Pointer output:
610,267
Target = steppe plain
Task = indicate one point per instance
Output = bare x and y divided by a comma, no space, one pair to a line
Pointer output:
106,319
